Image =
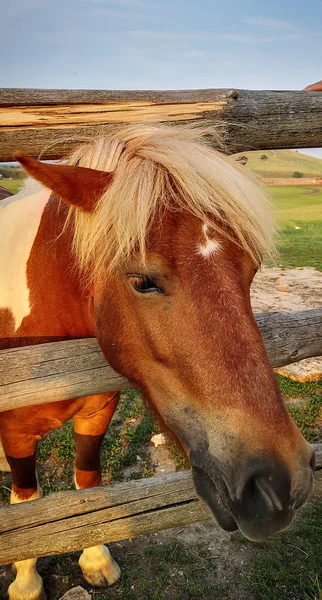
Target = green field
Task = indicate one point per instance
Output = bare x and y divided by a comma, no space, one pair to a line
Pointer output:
298,213
12,185
283,163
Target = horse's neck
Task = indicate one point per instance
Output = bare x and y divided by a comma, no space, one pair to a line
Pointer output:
40,291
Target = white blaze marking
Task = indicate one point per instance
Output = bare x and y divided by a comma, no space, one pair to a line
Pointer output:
19,221
210,246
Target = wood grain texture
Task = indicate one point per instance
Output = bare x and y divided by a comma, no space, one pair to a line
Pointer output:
71,520
51,121
291,336
70,369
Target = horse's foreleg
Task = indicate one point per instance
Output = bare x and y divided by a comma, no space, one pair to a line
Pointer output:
28,584
97,564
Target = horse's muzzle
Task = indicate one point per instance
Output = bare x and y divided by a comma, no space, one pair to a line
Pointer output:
259,499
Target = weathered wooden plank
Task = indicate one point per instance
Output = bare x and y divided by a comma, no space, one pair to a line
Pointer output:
55,371
291,336
318,455
75,519
25,117
41,97
51,121
69,369
68,521
167,487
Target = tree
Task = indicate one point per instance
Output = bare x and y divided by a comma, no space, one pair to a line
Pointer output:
264,157
297,174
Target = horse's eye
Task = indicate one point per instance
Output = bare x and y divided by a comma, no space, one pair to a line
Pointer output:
143,284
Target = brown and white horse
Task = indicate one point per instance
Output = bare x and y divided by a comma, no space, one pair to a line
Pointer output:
148,239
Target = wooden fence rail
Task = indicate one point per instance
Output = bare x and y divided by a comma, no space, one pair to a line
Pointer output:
73,520
51,122
69,369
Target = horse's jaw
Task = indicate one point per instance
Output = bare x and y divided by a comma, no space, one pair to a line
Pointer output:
207,491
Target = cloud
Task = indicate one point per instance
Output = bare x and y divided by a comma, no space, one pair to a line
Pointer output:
280,24
118,14
178,36
274,23
253,39
121,3
164,36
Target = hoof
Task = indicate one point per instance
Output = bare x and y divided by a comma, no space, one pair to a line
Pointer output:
27,589
98,567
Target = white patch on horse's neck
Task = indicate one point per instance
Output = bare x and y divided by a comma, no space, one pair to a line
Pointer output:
20,217
210,246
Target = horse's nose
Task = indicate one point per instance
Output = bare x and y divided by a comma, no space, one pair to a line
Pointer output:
261,492
265,500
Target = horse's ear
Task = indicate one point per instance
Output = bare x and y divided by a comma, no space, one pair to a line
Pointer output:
78,186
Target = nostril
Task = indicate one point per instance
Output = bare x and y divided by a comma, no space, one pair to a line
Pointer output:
268,491
264,491
258,498
312,461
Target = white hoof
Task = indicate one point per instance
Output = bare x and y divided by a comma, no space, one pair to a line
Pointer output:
27,588
98,566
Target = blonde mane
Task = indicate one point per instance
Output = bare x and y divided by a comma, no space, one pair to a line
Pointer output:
157,167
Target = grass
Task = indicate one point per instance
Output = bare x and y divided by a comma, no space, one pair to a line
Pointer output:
166,571
12,185
283,163
297,203
289,566
299,217
307,412
173,571
300,245
125,445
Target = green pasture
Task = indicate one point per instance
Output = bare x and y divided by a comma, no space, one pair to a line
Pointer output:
298,212
283,163
297,203
12,185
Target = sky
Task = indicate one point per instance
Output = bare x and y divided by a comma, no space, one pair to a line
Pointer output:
161,44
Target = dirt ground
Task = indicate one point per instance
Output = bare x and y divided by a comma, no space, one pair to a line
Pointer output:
277,289
283,290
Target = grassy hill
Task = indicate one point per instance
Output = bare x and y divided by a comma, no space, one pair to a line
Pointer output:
283,163
297,203
298,211
12,185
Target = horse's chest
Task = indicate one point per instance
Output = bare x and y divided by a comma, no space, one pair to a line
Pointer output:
19,222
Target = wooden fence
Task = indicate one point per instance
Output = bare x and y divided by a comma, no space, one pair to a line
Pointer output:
73,520
51,122
292,180
69,369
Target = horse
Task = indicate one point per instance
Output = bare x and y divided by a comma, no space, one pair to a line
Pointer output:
148,238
